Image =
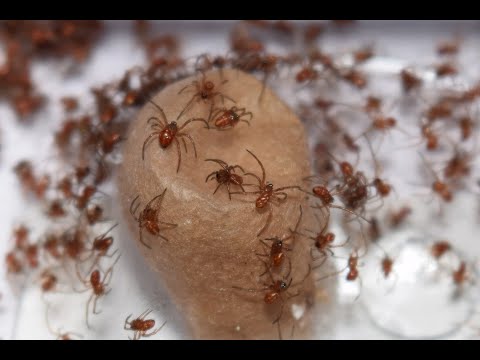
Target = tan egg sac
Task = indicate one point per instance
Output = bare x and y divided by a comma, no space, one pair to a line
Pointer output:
212,260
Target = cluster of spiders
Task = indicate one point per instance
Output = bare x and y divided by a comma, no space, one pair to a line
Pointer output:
78,244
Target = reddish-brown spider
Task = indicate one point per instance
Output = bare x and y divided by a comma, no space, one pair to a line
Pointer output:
461,274
278,248
226,176
446,69
48,280
81,200
323,241
410,80
140,326
276,290
148,218
206,92
459,165
466,125
449,47
352,266
382,187
224,118
439,187
363,54
387,265
169,132
20,235
350,192
52,246
14,265
267,193
398,217
94,214
100,246
97,286
439,248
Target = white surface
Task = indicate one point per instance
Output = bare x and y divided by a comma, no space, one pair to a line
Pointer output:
134,286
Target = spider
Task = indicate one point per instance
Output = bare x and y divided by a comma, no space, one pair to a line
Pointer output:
169,132
148,218
205,91
225,119
267,193
140,326
226,176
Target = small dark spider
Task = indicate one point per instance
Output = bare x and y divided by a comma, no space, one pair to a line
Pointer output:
148,218
226,176
204,91
169,132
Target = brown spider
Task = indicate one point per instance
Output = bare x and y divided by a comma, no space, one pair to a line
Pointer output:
278,248
227,118
277,291
205,91
97,286
267,193
226,176
140,326
169,132
148,218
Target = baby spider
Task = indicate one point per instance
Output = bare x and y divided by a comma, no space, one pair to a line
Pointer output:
205,91
97,286
140,326
276,291
226,176
267,193
169,132
225,119
278,248
148,218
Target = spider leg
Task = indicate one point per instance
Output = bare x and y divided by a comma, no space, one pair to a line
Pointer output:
157,121
193,142
134,211
212,174
188,105
170,225
261,166
192,120
184,145
155,198
228,189
163,237
127,323
95,306
289,187
255,176
147,140
155,332
217,188
141,238
239,167
222,163
177,143
87,307
283,196
161,111
269,218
